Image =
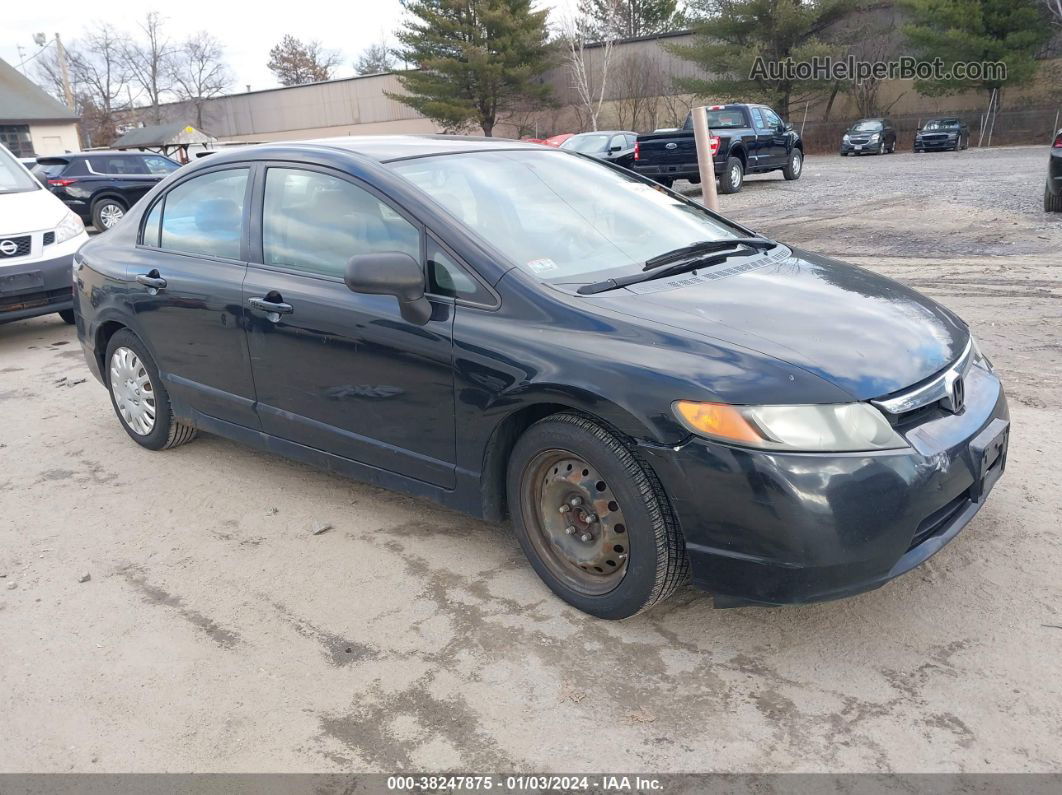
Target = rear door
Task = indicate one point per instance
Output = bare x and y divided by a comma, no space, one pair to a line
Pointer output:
186,292
123,175
335,370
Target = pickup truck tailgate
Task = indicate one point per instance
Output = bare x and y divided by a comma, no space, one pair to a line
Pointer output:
667,150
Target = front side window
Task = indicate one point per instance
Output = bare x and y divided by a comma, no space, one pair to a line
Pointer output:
159,165
205,215
559,217
771,119
586,144
314,222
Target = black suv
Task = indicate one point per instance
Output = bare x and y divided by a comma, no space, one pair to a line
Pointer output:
102,186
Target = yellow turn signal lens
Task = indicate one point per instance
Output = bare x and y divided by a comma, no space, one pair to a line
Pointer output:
717,419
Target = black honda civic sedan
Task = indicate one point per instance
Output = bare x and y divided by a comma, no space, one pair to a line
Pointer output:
648,391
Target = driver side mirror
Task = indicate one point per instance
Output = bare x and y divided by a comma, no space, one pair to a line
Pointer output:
391,273
613,149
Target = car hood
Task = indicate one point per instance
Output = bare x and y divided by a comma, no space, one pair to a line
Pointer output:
867,335
29,211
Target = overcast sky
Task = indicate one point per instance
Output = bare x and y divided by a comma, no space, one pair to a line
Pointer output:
247,29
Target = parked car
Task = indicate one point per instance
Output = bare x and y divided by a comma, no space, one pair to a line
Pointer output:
1053,188
646,388
557,140
745,139
38,238
612,146
942,134
869,136
101,186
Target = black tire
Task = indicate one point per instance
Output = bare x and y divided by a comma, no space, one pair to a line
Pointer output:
733,176
657,562
167,431
794,167
1052,201
67,315
665,181
100,210
881,147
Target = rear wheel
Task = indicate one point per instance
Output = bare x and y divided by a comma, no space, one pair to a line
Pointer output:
139,397
106,213
1052,201
794,166
67,315
594,521
733,176
667,182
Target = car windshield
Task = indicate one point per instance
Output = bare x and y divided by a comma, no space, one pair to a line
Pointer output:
586,143
942,124
559,217
13,176
866,126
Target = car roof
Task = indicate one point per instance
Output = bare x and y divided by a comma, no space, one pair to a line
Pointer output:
605,132
385,148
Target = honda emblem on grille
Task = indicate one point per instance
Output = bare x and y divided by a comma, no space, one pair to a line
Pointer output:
8,247
956,392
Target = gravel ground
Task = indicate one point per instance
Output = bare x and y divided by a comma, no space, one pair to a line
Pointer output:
218,633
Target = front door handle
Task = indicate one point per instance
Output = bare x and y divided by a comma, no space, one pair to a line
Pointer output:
274,307
151,280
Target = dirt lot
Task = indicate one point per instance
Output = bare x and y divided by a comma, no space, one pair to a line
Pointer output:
217,633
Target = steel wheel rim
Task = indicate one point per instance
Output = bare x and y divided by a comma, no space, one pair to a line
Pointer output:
132,390
735,176
562,491
110,214
797,162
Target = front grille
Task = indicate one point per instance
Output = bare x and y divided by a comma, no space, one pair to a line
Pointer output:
49,238
13,303
21,249
939,521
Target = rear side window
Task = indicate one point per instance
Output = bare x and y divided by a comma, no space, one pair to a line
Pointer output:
314,222
205,215
117,164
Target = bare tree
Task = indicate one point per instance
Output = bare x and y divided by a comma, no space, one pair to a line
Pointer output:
199,72
638,81
374,59
149,59
582,74
1054,8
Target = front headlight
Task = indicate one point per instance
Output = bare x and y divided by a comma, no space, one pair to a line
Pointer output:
69,228
844,427
874,137
979,358
846,138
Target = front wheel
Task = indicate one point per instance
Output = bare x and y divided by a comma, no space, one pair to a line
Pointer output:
1052,201
665,181
733,176
139,397
593,520
795,165
67,315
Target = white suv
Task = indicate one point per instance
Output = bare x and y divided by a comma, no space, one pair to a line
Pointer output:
38,238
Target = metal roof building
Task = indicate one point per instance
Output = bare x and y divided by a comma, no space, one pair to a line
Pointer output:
32,123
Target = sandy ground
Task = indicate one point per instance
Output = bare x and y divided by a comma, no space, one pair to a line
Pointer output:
217,633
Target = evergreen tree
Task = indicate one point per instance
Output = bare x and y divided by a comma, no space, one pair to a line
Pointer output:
474,60
735,34
624,19
1010,32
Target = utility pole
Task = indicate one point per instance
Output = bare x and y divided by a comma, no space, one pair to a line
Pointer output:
64,71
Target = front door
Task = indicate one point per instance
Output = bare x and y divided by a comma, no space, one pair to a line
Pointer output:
185,287
335,370
778,147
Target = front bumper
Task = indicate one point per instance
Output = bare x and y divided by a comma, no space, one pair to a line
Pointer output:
34,288
776,528
869,148
941,145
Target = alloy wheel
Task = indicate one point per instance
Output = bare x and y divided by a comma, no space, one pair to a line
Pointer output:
132,390
576,523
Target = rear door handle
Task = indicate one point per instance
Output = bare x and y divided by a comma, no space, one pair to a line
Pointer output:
271,306
152,280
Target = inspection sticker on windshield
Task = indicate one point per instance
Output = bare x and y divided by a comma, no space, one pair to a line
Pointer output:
544,265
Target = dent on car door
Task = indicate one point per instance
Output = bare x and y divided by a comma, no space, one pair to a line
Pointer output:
185,292
335,370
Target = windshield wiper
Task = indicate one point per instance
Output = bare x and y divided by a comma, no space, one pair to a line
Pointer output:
660,272
704,247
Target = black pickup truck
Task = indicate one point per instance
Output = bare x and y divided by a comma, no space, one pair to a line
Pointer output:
745,139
